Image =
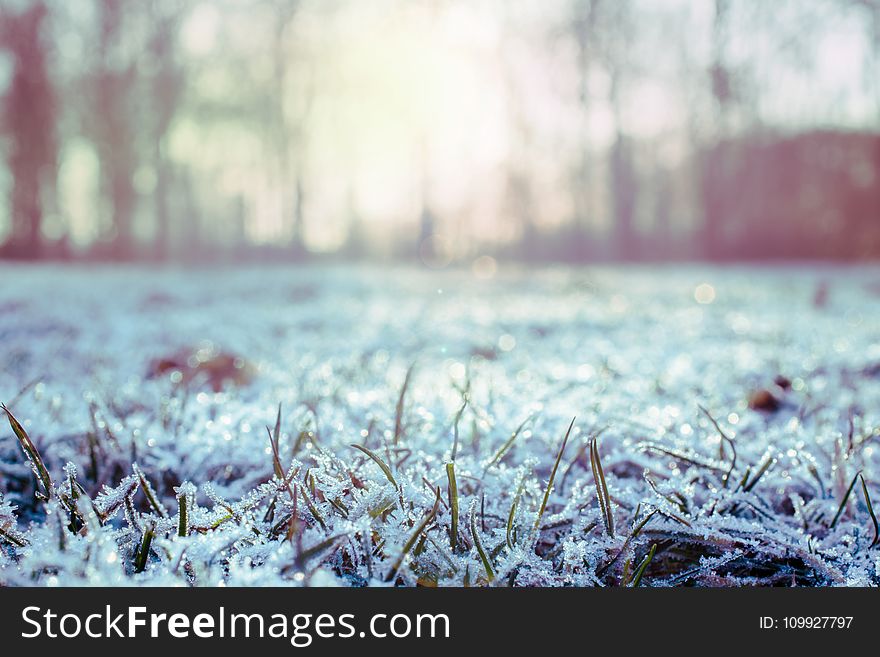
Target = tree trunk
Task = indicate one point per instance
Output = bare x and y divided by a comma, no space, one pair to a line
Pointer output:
29,113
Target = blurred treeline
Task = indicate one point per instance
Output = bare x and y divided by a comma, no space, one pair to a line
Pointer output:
577,130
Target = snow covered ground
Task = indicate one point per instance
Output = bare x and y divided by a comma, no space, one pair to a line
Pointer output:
182,372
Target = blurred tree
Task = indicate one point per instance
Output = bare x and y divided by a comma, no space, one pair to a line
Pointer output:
426,244
618,28
355,246
624,184
715,190
661,242
584,25
112,121
165,91
29,116
231,84
603,32
287,129
193,241
518,183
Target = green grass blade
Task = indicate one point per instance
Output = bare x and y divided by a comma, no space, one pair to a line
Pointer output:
274,437
313,551
843,501
277,432
183,516
313,509
15,540
507,444
553,474
455,429
413,538
378,461
512,515
452,492
760,473
637,579
30,452
871,512
638,528
398,413
140,558
490,574
601,487
149,493
724,438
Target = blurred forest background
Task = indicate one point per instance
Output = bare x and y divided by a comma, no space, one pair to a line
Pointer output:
446,130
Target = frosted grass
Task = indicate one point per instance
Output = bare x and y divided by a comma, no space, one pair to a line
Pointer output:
632,353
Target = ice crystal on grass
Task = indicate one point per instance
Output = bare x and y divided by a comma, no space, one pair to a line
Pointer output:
466,468
9,533
110,500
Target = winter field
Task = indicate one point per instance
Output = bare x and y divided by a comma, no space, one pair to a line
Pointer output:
723,416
